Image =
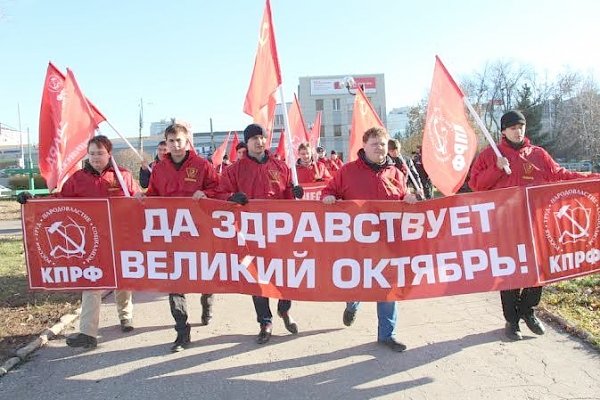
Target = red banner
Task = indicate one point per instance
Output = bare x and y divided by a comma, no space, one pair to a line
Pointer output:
449,142
266,76
67,122
352,250
364,118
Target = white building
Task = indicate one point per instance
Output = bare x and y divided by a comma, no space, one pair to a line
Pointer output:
329,95
397,121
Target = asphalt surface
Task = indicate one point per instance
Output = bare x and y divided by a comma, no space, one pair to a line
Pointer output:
456,350
11,228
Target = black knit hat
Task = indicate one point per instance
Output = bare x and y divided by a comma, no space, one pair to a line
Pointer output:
511,118
253,130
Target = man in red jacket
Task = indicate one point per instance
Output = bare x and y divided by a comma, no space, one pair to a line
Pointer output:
97,179
185,174
260,176
529,165
307,169
373,176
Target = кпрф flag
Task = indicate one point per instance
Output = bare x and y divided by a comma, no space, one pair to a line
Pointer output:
449,142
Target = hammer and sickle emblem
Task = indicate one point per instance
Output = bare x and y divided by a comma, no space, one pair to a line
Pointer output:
362,105
439,135
71,247
264,34
579,231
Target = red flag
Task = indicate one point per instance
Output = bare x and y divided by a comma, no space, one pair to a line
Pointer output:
266,76
297,128
98,116
233,151
315,132
449,142
217,157
281,147
364,118
66,124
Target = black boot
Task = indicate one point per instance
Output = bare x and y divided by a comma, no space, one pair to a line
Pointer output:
182,341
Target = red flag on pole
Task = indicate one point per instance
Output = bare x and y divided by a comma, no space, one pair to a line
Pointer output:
315,132
233,151
298,129
66,124
217,157
364,118
449,142
266,77
282,148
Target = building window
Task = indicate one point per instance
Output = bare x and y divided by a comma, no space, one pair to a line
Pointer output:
322,133
278,120
337,130
319,104
336,104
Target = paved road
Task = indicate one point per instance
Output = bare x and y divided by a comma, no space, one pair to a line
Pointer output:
456,351
10,228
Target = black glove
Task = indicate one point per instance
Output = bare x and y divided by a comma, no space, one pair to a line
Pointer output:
23,197
298,192
239,197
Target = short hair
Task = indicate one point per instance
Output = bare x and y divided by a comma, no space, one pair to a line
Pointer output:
241,145
101,141
304,146
225,157
176,128
394,144
374,132
162,143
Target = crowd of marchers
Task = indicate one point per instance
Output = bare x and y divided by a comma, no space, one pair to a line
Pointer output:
378,173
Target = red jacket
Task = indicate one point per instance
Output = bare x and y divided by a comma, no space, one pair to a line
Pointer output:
270,179
358,180
313,172
87,182
530,165
194,174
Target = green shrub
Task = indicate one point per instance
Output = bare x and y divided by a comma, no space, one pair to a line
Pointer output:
21,182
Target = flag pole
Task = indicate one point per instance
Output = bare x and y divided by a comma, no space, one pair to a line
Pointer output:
412,178
485,131
126,141
288,135
119,177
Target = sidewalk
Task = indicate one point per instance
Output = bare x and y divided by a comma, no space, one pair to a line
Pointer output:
456,350
11,228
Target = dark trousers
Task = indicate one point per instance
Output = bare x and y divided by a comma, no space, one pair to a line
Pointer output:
263,311
517,303
178,305
428,189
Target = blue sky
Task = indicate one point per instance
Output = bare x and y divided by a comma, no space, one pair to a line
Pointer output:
193,59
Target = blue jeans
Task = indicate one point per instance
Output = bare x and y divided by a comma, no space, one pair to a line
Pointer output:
386,316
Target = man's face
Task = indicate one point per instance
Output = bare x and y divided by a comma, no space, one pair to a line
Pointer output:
393,152
376,149
305,156
98,157
256,145
515,133
241,153
161,151
334,156
177,145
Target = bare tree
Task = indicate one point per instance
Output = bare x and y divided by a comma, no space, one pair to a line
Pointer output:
575,117
128,158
